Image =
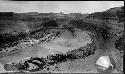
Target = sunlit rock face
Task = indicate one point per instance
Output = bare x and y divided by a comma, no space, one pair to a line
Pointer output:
105,64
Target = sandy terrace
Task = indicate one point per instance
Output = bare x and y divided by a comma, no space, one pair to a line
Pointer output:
60,45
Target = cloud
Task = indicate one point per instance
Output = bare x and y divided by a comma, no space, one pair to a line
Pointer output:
58,6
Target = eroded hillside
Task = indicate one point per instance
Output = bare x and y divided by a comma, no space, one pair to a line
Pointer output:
60,44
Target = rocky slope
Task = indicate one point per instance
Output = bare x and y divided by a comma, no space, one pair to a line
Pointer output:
104,32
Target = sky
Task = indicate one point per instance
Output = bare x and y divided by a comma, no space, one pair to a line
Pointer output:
58,6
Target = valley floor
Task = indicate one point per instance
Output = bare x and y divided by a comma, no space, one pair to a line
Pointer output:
79,65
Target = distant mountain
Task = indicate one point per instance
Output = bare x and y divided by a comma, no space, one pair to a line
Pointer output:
114,10
6,15
116,13
26,22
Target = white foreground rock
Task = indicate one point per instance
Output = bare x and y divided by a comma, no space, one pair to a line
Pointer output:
104,61
104,65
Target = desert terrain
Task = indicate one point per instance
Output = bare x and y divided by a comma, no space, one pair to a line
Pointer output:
67,44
